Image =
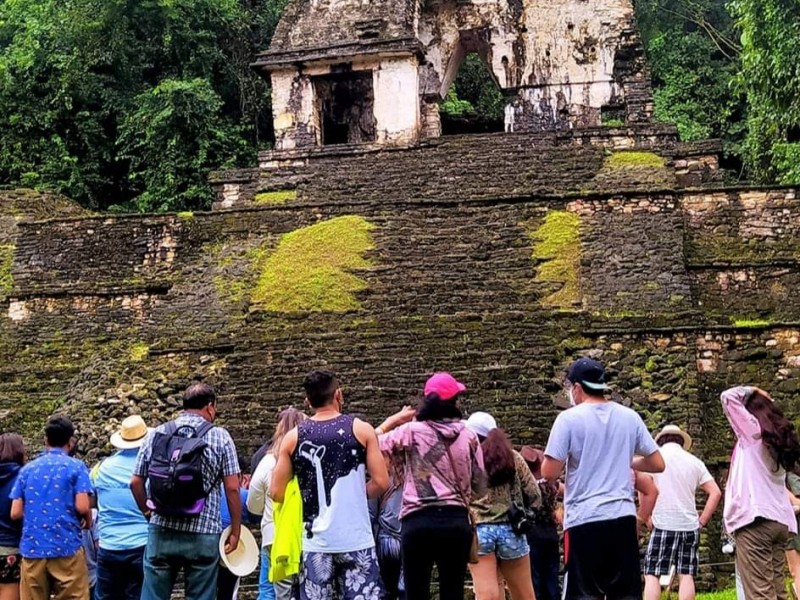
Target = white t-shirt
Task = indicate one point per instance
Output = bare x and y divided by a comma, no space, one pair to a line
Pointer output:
598,442
676,507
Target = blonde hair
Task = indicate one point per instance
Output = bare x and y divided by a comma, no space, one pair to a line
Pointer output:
288,419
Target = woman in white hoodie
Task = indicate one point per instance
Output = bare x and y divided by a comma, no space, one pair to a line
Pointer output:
259,502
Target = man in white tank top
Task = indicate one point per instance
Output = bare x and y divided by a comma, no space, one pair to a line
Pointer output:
330,454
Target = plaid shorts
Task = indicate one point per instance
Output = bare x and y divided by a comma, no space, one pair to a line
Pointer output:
666,548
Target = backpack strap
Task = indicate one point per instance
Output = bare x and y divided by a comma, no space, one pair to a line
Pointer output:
200,432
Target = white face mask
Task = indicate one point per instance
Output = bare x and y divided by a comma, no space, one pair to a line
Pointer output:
571,397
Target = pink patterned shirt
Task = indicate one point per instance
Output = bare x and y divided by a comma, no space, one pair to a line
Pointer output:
431,479
755,488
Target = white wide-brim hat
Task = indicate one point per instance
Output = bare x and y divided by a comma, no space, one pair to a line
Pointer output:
675,430
244,560
131,433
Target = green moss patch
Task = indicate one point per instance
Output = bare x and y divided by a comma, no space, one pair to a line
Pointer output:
275,198
186,215
311,268
629,158
6,259
745,323
557,248
139,351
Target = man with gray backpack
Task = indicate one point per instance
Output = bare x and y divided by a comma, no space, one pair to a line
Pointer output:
176,483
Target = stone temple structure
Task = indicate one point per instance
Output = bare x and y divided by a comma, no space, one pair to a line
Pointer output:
347,71
368,243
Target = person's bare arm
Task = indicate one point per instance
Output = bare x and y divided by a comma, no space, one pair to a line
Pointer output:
405,415
139,493
552,468
714,496
234,499
648,494
376,466
83,506
17,509
653,463
283,472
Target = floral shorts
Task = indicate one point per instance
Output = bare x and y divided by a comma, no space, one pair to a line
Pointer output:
9,568
499,539
342,576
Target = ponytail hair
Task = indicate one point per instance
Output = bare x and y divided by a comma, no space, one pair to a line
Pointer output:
777,432
498,458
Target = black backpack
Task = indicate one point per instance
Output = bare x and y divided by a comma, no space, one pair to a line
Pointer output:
175,476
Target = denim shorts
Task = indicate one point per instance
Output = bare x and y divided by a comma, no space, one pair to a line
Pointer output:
499,539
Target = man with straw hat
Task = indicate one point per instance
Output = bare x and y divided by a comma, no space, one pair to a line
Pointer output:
676,524
122,526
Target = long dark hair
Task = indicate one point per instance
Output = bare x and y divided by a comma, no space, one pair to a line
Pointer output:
498,457
777,432
433,408
12,449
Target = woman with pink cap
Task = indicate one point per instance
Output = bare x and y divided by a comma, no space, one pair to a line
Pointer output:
443,467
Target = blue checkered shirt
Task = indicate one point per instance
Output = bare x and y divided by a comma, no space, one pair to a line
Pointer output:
219,461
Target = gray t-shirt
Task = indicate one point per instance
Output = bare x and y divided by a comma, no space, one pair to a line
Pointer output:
598,442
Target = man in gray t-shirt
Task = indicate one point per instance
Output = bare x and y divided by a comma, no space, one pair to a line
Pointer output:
599,442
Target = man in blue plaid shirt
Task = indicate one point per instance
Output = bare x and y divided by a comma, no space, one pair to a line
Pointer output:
185,542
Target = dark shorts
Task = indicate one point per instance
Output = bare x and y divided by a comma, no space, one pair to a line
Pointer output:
667,548
602,561
10,568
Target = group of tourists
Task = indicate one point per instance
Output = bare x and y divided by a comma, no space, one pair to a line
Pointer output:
352,512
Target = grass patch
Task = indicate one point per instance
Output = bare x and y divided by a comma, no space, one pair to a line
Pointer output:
275,198
722,595
613,123
557,244
311,268
6,260
629,158
139,351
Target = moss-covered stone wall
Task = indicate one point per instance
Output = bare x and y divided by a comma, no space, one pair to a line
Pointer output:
108,315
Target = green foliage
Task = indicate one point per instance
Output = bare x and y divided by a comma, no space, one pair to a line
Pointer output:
694,62
475,96
173,136
455,107
81,80
311,269
557,248
770,76
275,198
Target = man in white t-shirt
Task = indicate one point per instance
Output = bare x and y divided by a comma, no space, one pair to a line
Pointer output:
676,524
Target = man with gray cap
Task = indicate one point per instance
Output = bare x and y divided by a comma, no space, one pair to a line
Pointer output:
599,441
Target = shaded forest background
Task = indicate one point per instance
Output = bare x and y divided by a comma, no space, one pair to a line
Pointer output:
126,105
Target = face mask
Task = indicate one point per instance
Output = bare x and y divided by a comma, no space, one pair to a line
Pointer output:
571,397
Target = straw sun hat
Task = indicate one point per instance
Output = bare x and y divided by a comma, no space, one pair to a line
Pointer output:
131,433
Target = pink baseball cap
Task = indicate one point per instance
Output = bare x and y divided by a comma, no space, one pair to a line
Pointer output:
444,385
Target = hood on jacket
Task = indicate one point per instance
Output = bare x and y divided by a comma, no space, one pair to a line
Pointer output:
449,430
8,471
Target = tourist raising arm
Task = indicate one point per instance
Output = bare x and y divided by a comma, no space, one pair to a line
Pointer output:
376,466
757,512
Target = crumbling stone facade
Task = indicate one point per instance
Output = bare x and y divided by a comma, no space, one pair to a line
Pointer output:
560,65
